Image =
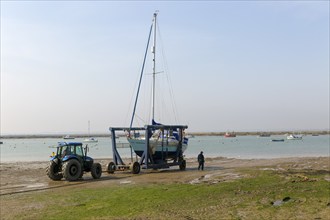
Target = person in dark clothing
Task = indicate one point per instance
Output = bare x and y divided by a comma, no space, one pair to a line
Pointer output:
201,161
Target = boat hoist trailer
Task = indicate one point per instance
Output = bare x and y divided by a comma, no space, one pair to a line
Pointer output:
146,161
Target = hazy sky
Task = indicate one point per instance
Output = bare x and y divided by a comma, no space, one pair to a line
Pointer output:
242,65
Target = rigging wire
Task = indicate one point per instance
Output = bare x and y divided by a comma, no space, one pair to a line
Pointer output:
167,74
129,109
161,95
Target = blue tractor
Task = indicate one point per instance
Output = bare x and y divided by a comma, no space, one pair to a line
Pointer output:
71,161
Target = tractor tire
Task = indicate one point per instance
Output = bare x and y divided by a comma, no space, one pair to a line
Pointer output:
54,171
72,170
136,167
111,167
182,166
96,170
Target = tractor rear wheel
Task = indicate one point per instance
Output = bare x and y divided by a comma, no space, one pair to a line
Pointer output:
96,170
111,167
72,170
136,167
54,171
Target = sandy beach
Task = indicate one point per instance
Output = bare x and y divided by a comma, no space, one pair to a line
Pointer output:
29,177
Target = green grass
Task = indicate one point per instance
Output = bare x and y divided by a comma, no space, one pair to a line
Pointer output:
248,198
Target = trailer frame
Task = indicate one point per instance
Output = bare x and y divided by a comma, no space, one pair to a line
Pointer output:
146,161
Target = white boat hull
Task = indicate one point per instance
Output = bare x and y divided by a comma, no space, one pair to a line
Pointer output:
91,140
294,137
167,150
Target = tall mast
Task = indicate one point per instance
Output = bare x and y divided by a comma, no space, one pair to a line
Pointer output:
89,128
141,74
154,67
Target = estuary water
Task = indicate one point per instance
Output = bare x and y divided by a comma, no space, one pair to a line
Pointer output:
244,147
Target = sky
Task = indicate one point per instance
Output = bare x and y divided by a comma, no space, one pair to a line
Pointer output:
229,65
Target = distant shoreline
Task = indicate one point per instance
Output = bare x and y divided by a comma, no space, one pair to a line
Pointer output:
252,133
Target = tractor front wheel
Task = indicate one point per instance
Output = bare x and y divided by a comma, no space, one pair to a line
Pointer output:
96,170
54,171
72,170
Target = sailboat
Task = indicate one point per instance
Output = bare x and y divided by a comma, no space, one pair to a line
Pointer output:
68,137
164,145
90,139
294,137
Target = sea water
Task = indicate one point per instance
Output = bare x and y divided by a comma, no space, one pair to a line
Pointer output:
244,147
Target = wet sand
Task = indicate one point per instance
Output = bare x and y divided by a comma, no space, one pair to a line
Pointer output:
23,177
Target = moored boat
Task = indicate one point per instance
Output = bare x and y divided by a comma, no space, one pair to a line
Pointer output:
68,137
277,140
230,134
90,140
294,137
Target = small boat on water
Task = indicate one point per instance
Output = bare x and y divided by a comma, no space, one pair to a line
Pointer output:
68,137
277,140
294,137
230,134
90,139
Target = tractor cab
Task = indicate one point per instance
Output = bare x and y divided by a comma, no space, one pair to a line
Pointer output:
70,149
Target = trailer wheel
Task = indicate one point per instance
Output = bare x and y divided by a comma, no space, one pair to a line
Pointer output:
53,171
136,168
96,170
72,170
111,167
183,165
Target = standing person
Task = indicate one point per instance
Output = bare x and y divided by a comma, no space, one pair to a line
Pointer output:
201,161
